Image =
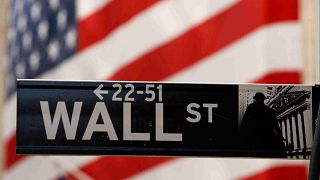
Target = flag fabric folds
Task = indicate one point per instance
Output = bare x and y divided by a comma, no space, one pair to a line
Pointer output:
229,41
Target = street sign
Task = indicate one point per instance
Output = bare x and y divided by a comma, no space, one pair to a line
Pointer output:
174,119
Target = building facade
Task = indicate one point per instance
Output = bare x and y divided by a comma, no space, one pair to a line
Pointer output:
292,106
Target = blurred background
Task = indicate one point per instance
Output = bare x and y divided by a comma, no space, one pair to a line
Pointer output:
217,41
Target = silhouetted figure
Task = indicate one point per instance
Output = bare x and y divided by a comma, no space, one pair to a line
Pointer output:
260,129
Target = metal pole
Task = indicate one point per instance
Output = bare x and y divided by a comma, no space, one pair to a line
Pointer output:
317,38
314,168
3,36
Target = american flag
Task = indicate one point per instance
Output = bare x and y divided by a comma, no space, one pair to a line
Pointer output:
218,41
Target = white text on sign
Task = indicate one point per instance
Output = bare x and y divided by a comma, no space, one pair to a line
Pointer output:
152,92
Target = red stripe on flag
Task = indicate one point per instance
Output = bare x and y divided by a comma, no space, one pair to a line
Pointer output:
119,167
282,173
98,25
208,38
280,77
10,153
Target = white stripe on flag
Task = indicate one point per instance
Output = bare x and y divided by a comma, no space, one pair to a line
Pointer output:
34,167
85,8
268,49
49,167
9,117
155,26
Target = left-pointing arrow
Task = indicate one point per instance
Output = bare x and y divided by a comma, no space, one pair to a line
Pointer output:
98,92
